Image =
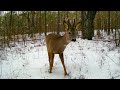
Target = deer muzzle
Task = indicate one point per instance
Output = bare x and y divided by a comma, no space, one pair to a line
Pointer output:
73,40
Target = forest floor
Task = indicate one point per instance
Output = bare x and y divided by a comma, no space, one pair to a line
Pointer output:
84,59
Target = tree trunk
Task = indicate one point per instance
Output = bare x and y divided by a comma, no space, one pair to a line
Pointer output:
105,25
28,21
10,26
108,22
83,14
45,24
67,14
33,23
76,14
89,25
40,24
58,23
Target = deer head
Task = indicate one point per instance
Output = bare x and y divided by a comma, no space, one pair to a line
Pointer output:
71,30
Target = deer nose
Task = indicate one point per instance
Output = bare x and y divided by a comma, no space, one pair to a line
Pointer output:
73,40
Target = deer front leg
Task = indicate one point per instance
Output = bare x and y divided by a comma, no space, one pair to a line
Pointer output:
49,58
62,60
51,61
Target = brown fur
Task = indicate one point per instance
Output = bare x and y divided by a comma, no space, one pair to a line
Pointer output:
56,44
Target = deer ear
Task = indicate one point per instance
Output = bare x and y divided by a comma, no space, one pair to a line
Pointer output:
65,25
77,25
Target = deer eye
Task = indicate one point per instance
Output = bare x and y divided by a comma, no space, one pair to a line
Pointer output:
69,32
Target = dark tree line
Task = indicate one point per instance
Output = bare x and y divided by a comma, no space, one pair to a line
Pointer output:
14,23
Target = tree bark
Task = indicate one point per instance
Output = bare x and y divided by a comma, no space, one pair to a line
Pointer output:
45,24
108,22
33,23
67,14
83,14
58,23
88,24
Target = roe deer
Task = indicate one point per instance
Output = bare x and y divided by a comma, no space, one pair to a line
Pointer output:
57,43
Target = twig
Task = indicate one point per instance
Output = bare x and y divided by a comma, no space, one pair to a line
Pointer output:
115,76
111,59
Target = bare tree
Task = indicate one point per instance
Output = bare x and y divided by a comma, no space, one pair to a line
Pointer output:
58,23
28,21
83,14
108,22
67,13
33,22
88,24
45,24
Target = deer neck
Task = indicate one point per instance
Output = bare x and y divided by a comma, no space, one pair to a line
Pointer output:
65,40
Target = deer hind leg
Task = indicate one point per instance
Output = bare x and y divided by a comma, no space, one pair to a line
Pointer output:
49,58
62,60
51,61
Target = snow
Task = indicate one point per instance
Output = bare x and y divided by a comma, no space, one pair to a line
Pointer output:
84,59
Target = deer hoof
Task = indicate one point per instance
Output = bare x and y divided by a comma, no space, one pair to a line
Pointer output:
66,74
50,71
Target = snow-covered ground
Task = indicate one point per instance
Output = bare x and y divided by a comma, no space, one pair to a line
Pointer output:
84,59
